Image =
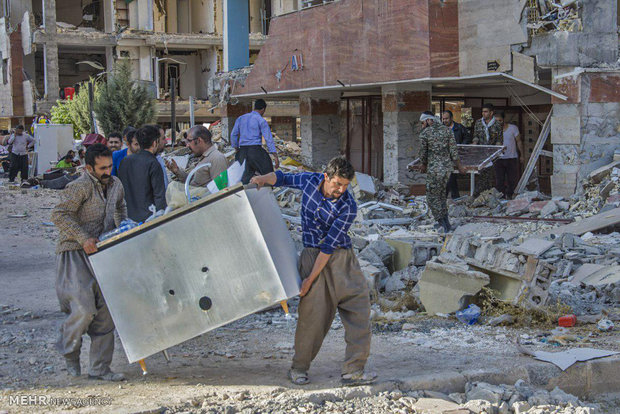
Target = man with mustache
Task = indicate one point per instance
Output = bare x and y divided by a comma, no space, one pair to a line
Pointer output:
332,277
90,206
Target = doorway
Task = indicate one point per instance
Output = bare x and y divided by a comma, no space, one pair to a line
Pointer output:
364,138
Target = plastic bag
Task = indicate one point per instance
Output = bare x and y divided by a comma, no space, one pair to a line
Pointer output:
125,225
469,315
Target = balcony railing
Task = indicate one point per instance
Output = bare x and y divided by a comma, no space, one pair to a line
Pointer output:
304,4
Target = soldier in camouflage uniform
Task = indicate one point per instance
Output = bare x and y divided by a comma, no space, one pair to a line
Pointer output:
438,155
487,131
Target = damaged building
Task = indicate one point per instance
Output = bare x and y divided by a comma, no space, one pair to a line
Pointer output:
50,46
362,71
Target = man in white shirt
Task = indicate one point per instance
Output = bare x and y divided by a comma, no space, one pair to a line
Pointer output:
507,166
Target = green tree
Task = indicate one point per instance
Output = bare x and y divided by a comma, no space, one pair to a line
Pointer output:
122,102
75,111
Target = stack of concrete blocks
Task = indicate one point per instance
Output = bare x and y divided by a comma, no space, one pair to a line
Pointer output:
521,278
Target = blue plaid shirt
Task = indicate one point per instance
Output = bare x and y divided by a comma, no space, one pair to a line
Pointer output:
324,221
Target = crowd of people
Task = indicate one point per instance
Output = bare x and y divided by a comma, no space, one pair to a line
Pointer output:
126,177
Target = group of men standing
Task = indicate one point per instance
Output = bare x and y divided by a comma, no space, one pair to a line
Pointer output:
439,157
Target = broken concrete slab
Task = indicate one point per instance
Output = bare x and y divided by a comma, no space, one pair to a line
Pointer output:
533,247
599,174
446,289
584,272
434,406
363,186
604,276
382,249
518,206
403,248
593,223
549,209
537,206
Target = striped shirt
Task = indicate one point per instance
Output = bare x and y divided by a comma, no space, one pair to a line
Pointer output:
324,221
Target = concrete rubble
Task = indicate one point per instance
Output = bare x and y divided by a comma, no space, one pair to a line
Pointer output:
498,244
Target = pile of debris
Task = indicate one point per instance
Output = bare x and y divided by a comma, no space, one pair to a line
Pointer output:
525,258
550,16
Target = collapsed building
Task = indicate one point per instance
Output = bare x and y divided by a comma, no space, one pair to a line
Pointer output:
362,71
50,46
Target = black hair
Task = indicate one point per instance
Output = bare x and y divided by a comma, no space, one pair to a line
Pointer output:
260,104
488,106
447,111
95,151
115,135
341,167
199,131
501,114
147,135
20,126
127,130
131,135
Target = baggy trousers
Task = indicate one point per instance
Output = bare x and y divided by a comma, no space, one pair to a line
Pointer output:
19,164
87,313
342,286
256,160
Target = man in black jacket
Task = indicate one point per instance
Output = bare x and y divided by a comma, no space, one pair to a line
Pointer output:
143,177
462,136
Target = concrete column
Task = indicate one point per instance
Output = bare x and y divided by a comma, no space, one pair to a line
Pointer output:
256,25
109,16
230,113
320,128
49,16
236,35
146,63
50,71
141,14
171,17
401,129
285,127
109,58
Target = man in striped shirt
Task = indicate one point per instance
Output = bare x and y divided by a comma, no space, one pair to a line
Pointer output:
332,277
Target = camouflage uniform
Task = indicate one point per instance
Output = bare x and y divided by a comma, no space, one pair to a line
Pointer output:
438,152
486,178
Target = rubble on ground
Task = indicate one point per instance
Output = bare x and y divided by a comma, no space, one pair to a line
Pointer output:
500,245
478,398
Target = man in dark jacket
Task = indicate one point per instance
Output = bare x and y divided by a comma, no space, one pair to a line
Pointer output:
142,176
462,136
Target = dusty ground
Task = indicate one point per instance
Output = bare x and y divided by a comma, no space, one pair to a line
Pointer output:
238,368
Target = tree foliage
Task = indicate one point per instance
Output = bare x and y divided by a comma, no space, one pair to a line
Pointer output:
75,111
123,102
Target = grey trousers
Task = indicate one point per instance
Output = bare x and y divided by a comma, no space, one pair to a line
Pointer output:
340,286
87,313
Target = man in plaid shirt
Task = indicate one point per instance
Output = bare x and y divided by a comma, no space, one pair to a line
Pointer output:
331,274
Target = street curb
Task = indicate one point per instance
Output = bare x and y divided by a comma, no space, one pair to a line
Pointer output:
584,379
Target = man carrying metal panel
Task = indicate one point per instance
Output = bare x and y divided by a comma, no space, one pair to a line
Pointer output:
91,205
332,277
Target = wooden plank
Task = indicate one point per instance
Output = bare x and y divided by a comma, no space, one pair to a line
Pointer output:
538,148
593,223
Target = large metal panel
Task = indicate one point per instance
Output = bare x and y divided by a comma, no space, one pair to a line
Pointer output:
205,265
